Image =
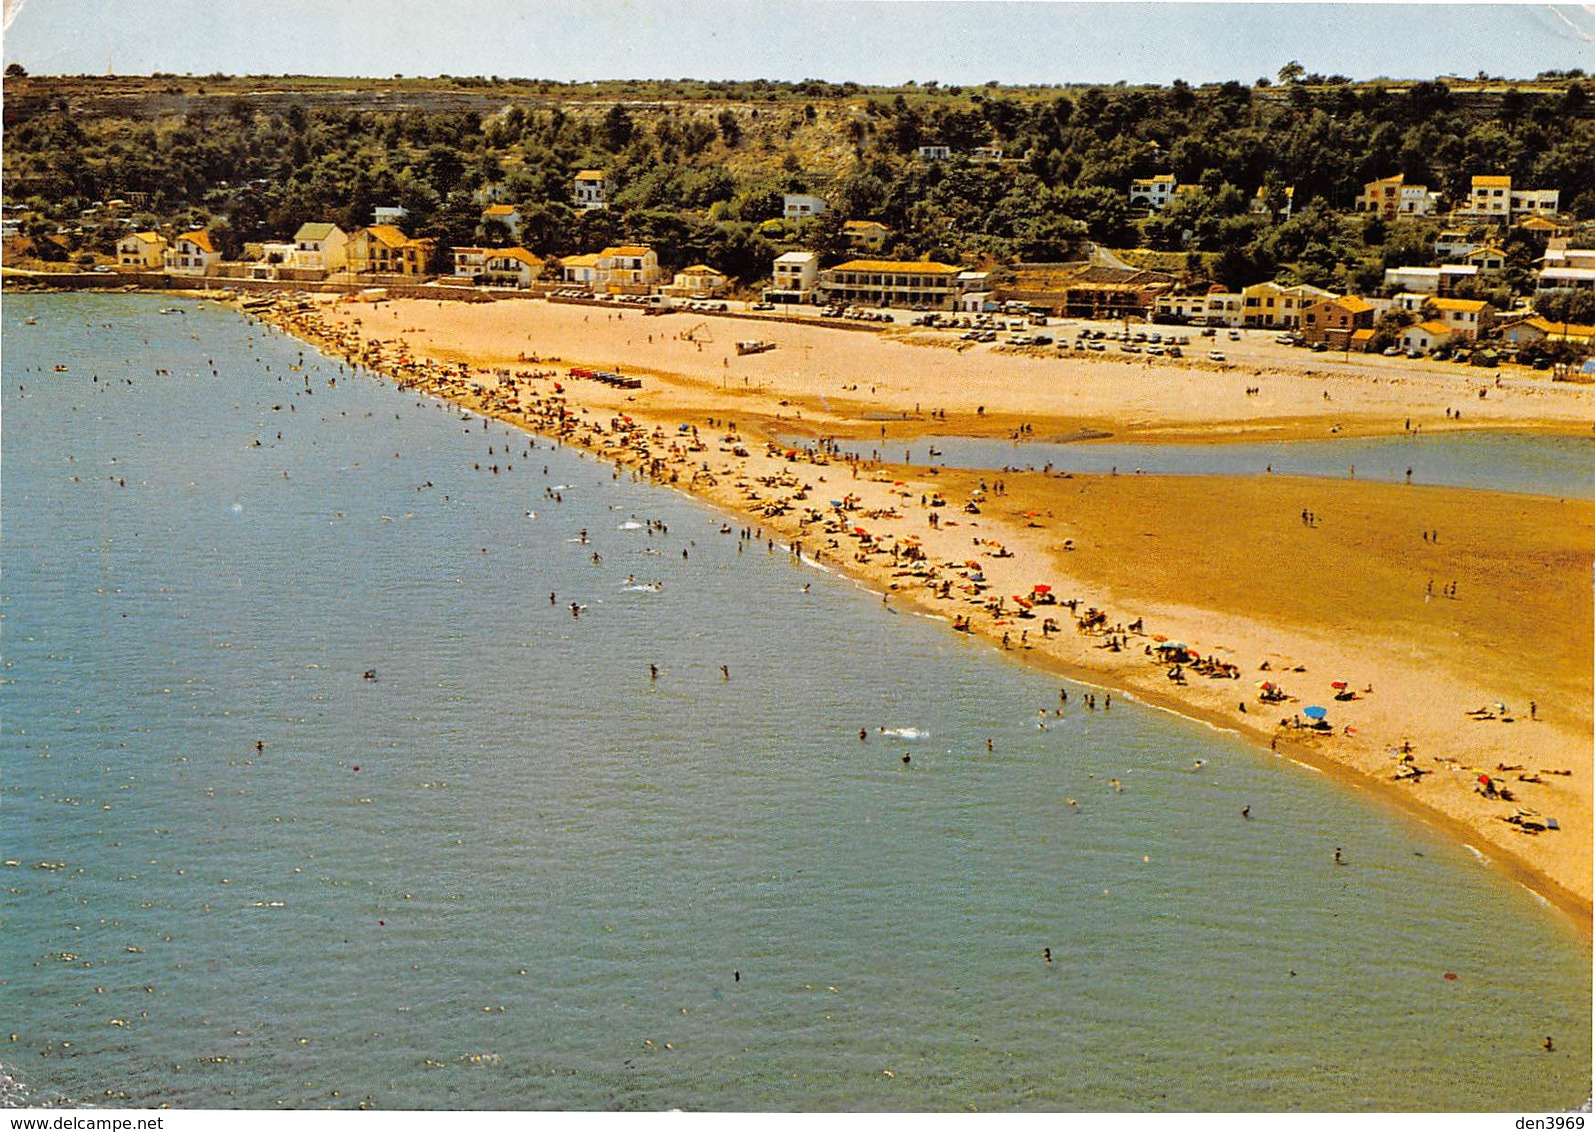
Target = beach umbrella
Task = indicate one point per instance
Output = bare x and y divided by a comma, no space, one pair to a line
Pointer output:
1338,685
1315,712
1159,637
1041,588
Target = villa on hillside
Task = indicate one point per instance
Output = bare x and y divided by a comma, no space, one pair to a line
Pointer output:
865,235
506,214
1392,198
591,190
799,206
1494,198
1153,192
1275,204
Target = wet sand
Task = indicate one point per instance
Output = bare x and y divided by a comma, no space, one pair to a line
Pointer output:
1355,594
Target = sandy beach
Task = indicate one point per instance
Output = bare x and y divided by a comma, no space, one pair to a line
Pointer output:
1446,632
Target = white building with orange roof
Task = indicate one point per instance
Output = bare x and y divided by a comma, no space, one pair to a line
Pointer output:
700,281
510,267
1489,197
580,270
890,282
192,253
506,214
141,250
1466,318
381,249
591,190
469,262
628,269
865,235
1486,258
1392,198
1426,336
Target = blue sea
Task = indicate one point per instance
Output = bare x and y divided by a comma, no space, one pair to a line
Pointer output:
317,793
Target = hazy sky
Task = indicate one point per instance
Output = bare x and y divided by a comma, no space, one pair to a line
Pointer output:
954,41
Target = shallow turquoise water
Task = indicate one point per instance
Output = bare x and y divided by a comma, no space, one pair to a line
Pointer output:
555,883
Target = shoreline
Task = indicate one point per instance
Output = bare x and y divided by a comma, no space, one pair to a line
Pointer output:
1496,851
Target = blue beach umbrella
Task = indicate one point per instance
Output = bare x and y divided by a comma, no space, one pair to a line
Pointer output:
1315,712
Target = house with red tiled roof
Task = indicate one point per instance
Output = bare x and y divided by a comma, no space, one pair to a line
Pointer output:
1333,320
192,253
1467,318
381,249
628,269
146,250
1426,336
511,267
506,214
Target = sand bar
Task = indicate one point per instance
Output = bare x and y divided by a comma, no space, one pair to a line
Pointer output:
1438,646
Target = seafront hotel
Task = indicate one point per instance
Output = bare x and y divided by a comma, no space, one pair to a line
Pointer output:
890,282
